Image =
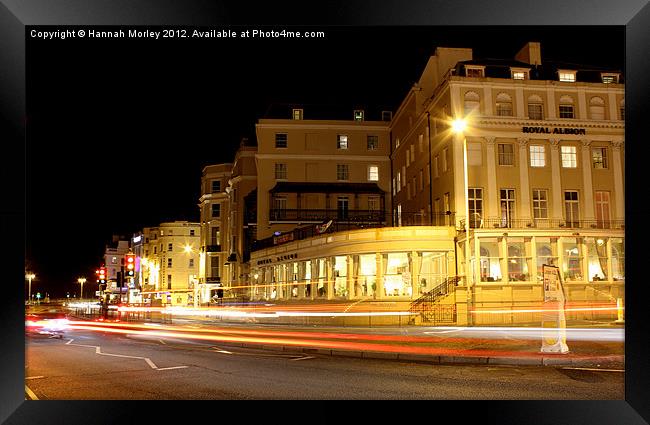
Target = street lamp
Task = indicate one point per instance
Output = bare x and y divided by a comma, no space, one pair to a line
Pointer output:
81,281
29,277
458,127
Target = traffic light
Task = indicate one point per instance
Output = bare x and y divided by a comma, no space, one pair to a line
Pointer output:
130,264
101,274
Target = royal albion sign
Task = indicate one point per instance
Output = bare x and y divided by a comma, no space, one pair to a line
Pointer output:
556,130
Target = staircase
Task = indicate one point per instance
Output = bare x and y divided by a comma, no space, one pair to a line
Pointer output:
429,308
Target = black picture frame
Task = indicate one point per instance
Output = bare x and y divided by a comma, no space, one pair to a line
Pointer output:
16,14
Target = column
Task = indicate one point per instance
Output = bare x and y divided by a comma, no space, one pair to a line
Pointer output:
550,104
619,203
329,267
587,182
379,291
313,281
477,260
557,181
503,248
350,278
610,275
533,260
415,274
460,195
492,204
524,207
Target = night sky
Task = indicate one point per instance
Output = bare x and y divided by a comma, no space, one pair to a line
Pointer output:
107,117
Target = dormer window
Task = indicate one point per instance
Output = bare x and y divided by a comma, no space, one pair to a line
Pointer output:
297,114
519,73
609,78
567,75
474,71
358,115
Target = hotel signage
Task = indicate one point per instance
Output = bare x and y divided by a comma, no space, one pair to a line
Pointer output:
555,130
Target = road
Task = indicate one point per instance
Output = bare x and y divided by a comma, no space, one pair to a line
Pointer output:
96,365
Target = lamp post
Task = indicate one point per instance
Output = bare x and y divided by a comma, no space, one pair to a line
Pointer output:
458,127
81,281
29,277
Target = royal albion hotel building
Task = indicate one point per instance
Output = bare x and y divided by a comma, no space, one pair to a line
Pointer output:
488,170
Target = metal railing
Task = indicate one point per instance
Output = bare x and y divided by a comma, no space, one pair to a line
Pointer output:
429,308
327,214
213,248
545,223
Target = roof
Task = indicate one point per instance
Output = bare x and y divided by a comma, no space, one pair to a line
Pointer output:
306,187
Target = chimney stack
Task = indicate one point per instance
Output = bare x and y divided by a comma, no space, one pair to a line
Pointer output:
531,53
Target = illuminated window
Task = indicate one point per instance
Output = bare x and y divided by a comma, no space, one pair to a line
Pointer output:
297,114
572,214
599,157
280,140
341,141
474,71
537,156
475,202
399,181
569,156
420,143
358,115
372,142
519,74
408,157
373,173
609,78
435,167
445,159
568,76
540,203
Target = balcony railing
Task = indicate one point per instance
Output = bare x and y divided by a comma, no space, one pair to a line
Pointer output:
276,215
213,248
545,223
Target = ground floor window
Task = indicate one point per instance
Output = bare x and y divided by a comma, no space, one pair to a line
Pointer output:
397,275
367,276
490,261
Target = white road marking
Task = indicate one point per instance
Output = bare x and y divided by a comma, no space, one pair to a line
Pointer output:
30,393
34,377
595,369
219,350
162,342
302,358
442,332
98,350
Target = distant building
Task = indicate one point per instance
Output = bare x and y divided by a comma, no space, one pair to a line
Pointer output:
113,259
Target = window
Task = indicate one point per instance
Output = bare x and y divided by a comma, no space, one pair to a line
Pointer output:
191,232
566,107
280,140
399,215
280,171
373,173
373,203
474,154
393,186
404,175
435,167
279,207
428,174
297,114
504,105
155,249
602,209
216,210
596,108
386,115
169,281
475,206
507,207
342,172
444,160
408,157
536,111
608,78
216,186
540,203
472,102
537,156
341,141
372,142
621,109
571,208
214,237
191,265
566,111
170,247
399,181
420,143
599,157
568,76
569,156
506,153
214,266
474,71
519,74
169,263
397,142
358,115
412,153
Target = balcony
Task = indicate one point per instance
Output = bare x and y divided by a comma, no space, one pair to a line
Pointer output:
544,223
213,248
317,216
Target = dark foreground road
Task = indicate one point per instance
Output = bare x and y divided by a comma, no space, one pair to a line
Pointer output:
91,365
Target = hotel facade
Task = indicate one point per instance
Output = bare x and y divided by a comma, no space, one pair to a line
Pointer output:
413,205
